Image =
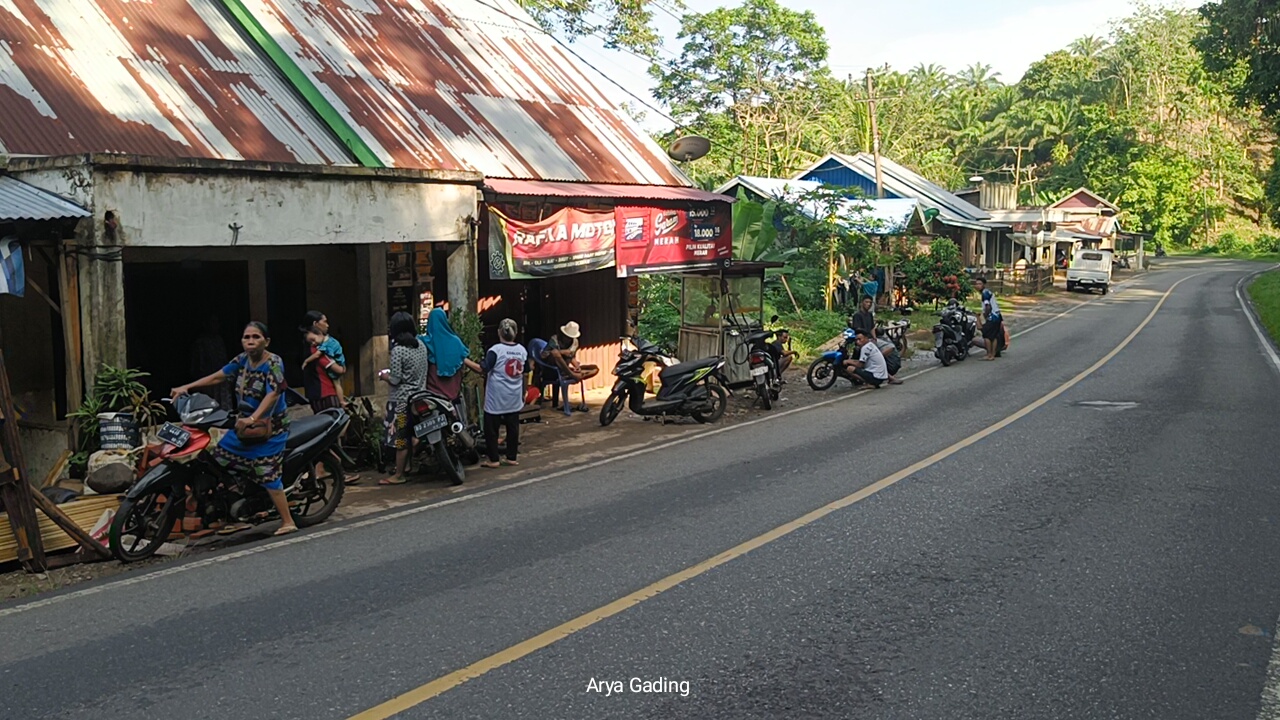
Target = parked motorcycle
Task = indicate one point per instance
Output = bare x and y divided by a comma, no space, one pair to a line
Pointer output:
895,332
762,361
182,476
954,333
1160,251
439,425
829,366
692,388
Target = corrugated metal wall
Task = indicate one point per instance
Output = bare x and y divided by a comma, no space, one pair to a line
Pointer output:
832,172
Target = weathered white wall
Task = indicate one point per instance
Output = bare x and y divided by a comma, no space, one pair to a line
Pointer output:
196,210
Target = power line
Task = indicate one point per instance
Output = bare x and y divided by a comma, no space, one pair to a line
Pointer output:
678,125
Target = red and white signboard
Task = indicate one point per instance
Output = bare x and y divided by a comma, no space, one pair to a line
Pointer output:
658,240
570,241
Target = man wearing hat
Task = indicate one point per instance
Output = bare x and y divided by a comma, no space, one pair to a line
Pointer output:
870,367
562,348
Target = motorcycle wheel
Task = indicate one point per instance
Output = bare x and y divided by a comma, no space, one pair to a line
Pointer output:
448,463
317,498
140,527
948,355
612,407
719,399
821,375
762,389
962,353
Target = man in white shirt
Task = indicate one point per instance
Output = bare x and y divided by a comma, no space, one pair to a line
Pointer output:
870,367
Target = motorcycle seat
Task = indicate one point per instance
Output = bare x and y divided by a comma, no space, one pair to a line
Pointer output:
688,367
306,429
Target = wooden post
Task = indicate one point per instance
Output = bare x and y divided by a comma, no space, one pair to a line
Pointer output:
69,295
14,486
19,493
791,295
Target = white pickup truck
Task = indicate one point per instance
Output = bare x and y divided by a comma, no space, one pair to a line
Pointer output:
1090,270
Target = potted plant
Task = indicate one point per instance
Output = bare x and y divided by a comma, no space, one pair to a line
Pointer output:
119,391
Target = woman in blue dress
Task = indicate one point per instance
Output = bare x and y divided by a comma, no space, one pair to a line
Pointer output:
260,386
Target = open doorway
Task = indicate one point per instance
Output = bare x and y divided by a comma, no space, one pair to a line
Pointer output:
169,306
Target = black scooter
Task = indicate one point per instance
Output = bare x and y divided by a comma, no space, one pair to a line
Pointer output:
954,333
762,361
693,389
439,425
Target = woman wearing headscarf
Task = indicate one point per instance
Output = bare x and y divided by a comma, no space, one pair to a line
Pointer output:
447,354
407,375
255,450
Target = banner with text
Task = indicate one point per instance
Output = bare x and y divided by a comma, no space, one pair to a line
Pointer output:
657,240
568,242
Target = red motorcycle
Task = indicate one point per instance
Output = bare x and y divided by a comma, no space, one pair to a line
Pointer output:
181,477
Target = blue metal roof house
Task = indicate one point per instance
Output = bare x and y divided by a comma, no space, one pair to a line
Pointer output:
957,219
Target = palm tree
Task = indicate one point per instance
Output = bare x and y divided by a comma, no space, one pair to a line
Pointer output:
1089,46
978,78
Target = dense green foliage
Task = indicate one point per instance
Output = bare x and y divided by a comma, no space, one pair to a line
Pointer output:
1137,116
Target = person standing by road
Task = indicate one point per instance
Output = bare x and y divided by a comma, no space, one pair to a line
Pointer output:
992,320
503,393
447,354
865,318
328,347
869,368
407,375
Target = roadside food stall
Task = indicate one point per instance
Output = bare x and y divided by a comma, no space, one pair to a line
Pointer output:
714,302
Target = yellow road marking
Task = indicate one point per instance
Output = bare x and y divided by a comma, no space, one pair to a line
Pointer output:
440,685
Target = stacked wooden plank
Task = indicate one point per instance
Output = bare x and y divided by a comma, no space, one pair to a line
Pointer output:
84,511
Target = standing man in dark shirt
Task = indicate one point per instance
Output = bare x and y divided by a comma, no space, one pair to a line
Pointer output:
993,321
865,319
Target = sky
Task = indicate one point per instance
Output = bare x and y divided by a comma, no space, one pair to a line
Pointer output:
1007,34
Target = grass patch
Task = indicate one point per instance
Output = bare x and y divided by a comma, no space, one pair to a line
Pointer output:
1265,293
1239,254
811,329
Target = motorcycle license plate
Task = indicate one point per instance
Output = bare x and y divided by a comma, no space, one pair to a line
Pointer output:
759,370
174,435
436,422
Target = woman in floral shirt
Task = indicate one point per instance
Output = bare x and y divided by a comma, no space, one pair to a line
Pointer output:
260,386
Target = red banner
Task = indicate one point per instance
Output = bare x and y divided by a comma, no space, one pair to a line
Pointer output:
570,241
657,240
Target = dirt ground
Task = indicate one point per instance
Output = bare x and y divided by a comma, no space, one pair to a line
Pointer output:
555,443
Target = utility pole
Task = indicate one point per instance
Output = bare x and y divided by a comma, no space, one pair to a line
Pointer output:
875,131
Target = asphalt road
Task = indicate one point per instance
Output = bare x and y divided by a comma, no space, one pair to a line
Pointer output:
1104,548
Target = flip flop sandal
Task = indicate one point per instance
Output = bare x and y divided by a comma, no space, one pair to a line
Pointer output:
285,531
490,465
386,482
352,480
509,462
234,528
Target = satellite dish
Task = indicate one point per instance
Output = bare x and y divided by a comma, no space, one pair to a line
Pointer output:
689,147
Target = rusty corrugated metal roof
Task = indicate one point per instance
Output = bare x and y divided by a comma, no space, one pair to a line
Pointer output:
20,201
169,78
464,85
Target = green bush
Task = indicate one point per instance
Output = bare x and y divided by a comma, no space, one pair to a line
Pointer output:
1228,242
812,329
938,274
1267,244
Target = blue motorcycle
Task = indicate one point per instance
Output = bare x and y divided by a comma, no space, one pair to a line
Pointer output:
829,367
